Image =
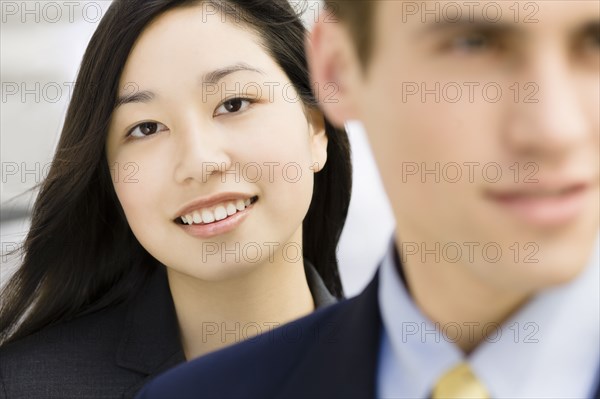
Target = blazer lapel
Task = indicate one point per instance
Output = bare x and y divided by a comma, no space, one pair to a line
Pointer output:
150,341
342,361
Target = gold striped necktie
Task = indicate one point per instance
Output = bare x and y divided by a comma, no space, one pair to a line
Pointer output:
459,383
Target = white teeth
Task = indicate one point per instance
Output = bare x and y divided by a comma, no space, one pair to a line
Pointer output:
197,217
231,209
239,205
220,213
207,216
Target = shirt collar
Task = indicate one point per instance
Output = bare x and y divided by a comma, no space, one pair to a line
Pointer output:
556,354
321,295
418,351
553,342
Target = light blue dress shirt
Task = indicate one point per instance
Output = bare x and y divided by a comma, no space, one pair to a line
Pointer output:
549,349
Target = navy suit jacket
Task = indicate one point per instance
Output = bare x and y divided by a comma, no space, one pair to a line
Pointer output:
108,354
331,353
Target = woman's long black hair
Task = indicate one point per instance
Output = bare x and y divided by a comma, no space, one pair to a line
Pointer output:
80,254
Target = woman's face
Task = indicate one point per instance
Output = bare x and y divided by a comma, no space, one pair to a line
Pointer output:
208,129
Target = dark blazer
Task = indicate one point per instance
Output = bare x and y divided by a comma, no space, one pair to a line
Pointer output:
108,354
331,353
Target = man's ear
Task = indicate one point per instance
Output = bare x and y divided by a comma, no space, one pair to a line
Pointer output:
318,139
334,68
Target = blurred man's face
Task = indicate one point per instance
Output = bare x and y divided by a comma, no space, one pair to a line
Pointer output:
486,132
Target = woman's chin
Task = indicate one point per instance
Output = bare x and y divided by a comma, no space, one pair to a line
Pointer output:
214,272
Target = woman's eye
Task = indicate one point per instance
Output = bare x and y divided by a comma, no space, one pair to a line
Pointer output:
146,129
232,106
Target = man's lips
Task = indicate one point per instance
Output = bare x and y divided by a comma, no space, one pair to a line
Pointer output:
543,206
534,191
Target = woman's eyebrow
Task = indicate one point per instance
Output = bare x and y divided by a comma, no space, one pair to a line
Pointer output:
209,78
214,76
144,96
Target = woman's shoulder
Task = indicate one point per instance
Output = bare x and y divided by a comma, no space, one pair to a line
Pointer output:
63,358
108,353
95,327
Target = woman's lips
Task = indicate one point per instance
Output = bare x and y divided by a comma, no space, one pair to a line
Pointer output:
543,207
208,230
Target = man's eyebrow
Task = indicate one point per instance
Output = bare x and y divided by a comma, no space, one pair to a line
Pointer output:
214,76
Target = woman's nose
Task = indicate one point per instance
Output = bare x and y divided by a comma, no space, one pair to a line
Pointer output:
201,153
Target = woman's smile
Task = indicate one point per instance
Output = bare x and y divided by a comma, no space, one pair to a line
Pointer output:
219,215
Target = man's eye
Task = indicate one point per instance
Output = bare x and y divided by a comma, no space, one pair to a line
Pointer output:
146,129
232,106
591,41
471,43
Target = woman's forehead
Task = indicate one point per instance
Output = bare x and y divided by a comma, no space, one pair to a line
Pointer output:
186,42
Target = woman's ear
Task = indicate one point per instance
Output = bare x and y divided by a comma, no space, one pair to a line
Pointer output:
318,139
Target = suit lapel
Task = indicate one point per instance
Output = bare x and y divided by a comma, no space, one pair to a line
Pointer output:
343,360
150,340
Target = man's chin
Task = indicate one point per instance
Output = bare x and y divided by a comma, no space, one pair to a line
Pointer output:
557,266
529,265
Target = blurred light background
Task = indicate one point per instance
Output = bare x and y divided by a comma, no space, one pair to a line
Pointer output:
41,46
